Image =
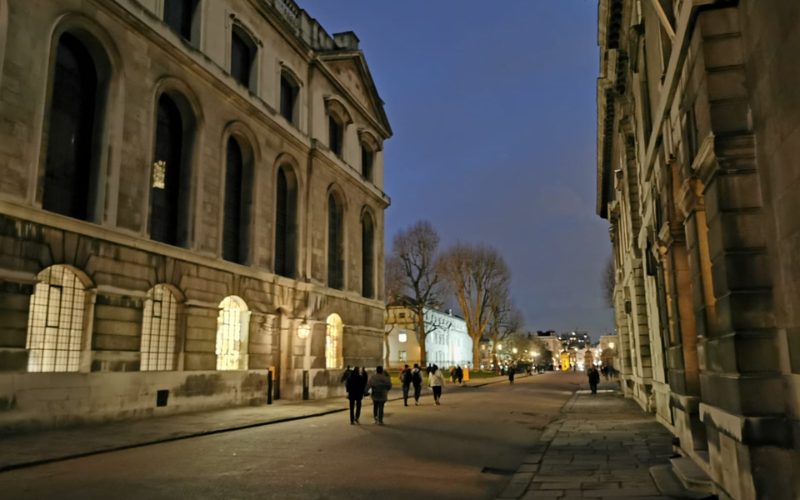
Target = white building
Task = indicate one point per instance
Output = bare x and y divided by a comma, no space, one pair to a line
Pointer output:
447,342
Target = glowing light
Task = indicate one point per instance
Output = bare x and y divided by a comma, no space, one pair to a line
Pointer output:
304,330
403,337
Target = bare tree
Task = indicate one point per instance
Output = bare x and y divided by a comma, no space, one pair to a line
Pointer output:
479,277
609,281
504,319
411,272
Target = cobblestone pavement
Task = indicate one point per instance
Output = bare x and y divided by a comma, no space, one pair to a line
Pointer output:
601,447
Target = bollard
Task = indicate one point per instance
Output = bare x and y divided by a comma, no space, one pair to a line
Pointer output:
269,387
305,385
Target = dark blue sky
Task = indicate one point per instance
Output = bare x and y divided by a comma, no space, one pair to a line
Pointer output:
493,109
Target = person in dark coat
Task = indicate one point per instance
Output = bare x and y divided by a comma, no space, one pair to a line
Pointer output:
379,384
511,370
594,379
405,379
346,374
459,375
355,386
416,381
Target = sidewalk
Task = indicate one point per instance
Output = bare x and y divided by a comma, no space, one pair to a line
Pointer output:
601,447
34,448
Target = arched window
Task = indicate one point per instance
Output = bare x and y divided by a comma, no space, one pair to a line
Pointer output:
367,256
243,57
159,330
237,206
335,242
289,91
179,15
170,180
74,129
286,223
55,321
333,342
232,334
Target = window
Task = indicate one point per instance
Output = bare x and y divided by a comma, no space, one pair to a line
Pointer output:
179,16
170,179
335,242
71,180
333,342
402,336
243,55
159,330
55,321
237,205
232,334
402,355
286,223
335,135
367,159
367,256
289,92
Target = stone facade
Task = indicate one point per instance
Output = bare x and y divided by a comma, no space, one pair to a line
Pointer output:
447,342
298,81
698,140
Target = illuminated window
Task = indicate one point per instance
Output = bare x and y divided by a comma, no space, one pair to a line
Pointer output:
402,336
232,333
333,342
55,321
158,330
403,355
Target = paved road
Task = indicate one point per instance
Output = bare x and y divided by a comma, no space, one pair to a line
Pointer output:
436,452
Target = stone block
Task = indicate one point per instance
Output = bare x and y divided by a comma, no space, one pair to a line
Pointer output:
717,22
118,328
722,52
115,342
116,313
200,346
14,360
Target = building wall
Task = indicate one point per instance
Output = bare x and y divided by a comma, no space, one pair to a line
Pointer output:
696,118
114,253
446,343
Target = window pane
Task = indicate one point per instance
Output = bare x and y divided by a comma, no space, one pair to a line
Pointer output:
241,58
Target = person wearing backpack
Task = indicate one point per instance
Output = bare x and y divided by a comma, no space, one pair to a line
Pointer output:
416,380
405,380
436,381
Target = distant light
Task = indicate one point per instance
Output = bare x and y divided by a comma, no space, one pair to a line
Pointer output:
611,345
499,347
403,337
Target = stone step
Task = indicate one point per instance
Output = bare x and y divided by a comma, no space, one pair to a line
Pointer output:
691,475
669,484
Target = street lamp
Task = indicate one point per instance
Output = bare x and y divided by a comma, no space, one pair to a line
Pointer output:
514,350
303,330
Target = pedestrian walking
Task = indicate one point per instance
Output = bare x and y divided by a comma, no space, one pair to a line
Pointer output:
436,381
511,370
379,384
416,381
405,381
459,374
594,379
355,393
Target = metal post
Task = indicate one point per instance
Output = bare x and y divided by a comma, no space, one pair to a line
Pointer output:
269,387
305,385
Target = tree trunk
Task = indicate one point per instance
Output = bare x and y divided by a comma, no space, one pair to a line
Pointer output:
421,334
476,354
386,354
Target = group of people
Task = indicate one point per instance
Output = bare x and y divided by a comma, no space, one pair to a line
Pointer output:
457,374
377,386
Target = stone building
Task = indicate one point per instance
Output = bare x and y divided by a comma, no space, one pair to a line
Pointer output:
191,195
698,147
447,342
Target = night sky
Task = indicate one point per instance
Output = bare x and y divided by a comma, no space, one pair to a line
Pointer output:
493,109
